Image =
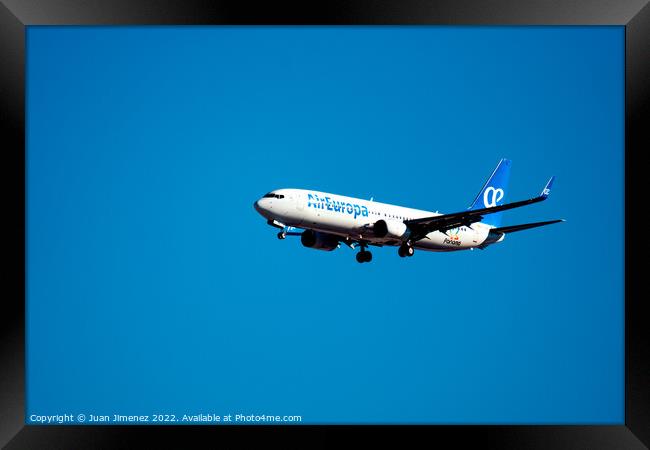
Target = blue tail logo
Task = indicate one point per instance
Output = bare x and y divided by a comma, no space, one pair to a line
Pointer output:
492,196
493,192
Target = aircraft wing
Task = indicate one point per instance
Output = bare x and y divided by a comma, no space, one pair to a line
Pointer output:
423,226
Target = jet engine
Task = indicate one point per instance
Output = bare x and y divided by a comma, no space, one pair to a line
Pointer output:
319,241
394,229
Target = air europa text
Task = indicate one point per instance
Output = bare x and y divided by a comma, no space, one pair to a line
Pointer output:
339,206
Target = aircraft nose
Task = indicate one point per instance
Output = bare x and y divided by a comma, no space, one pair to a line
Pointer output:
261,206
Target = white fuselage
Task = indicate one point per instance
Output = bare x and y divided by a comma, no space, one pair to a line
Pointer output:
353,218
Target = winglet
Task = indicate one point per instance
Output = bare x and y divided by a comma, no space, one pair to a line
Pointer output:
547,189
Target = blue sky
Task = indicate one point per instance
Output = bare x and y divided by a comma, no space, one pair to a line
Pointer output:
154,286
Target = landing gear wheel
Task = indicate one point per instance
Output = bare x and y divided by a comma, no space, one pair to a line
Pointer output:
364,256
282,235
405,250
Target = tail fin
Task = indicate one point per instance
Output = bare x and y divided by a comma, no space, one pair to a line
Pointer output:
493,192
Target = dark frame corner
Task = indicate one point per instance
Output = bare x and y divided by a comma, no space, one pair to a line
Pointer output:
15,15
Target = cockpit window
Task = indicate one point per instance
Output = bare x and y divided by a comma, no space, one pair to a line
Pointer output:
272,195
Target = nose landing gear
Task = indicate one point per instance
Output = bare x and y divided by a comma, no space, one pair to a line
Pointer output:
282,235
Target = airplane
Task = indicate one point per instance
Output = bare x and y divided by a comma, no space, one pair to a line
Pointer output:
324,221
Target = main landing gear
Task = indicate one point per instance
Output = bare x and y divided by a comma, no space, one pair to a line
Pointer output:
405,250
364,255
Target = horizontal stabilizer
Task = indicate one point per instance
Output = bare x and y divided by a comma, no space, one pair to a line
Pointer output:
524,226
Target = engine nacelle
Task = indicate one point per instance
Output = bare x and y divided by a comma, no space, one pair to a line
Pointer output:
394,229
319,241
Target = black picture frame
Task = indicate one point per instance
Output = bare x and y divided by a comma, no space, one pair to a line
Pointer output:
15,15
